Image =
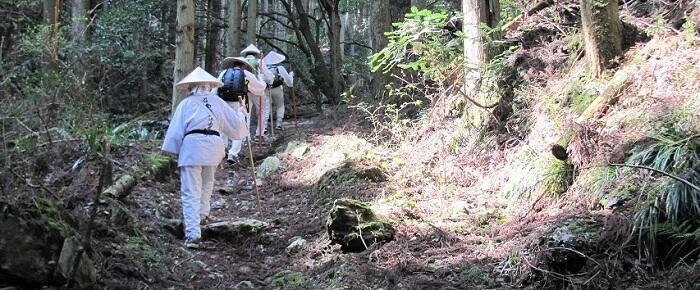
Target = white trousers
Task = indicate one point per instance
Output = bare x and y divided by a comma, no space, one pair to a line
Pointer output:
261,123
277,96
196,186
237,145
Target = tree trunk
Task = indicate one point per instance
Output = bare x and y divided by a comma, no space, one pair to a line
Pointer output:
476,53
79,13
331,8
52,12
252,21
345,27
420,4
214,15
321,73
602,33
380,23
184,47
233,35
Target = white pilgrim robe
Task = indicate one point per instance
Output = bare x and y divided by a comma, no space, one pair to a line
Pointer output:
192,114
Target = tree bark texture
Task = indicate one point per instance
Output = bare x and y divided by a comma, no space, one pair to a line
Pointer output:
52,13
214,16
233,35
184,47
602,33
322,74
251,30
380,23
476,54
79,13
331,8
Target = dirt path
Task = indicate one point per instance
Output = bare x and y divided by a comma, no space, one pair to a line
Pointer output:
286,207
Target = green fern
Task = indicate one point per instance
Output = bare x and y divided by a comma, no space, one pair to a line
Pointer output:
672,208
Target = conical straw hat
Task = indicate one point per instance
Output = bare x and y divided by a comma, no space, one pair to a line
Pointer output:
250,49
229,62
273,58
198,76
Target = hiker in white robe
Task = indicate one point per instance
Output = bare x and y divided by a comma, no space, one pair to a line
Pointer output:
256,86
194,135
254,56
277,92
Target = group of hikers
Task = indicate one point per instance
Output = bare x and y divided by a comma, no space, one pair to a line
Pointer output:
216,114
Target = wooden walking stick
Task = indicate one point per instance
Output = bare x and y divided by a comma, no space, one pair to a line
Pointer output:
294,102
255,178
250,156
272,125
260,122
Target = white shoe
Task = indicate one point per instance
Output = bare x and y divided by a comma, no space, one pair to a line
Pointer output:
192,243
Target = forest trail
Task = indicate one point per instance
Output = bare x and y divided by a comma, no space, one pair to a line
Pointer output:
286,208
294,208
288,205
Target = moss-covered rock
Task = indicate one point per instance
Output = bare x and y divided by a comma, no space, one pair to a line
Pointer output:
32,237
565,243
234,230
287,280
347,174
352,224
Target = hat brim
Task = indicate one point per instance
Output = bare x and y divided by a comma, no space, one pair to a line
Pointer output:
229,62
211,84
251,49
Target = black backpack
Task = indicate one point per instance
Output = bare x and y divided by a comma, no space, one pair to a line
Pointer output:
235,85
278,78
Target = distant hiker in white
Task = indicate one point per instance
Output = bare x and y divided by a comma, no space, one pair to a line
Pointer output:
194,135
239,81
281,77
253,56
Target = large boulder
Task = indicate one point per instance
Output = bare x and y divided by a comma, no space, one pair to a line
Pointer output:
352,224
32,242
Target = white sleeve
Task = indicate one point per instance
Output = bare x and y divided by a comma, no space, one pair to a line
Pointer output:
287,77
255,85
176,131
233,123
268,76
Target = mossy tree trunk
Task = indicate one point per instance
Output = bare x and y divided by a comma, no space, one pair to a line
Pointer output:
184,47
602,33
